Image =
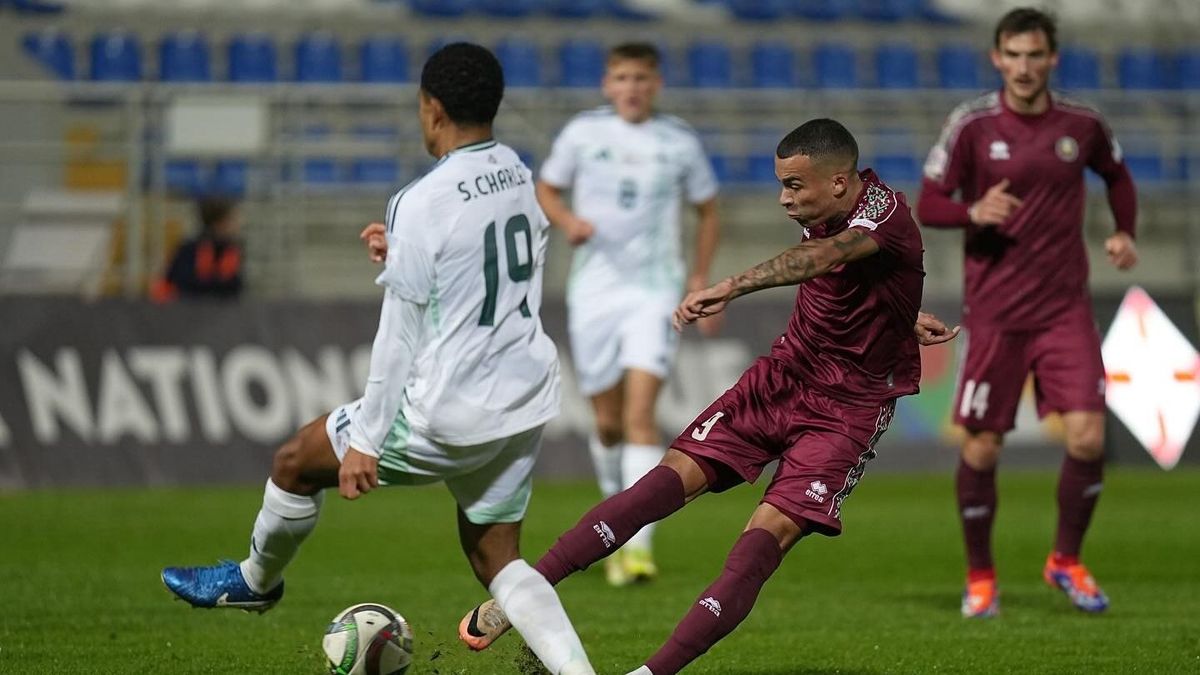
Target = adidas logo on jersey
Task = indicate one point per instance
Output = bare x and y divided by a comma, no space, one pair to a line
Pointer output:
606,534
711,604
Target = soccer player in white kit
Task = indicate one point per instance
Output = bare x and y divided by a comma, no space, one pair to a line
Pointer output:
462,376
628,170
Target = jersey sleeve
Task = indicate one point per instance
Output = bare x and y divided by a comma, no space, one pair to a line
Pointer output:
884,218
559,168
949,159
700,183
1106,157
409,268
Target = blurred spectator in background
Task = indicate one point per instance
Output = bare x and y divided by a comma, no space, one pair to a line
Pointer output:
210,264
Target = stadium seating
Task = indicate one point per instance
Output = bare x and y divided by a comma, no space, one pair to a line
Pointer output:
184,57
183,177
116,57
958,67
710,65
825,10
1141,68
581,63
443,8
318,58
509,8
53,50
902,169
891,10
758,10
252,59
1078,68
575,9
230,178
375,171
834,67
772,64
521,60
1187,69
383,60
1146,167
896,67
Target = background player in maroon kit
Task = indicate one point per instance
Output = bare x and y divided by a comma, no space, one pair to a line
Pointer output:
1016,158
817,403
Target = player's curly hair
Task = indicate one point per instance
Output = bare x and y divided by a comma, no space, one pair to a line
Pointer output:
1027,20
821,140
468,81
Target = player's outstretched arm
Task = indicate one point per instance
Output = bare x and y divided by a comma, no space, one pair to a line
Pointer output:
931,330
550,198
799,263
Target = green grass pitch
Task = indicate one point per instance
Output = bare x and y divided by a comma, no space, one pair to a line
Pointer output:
80,593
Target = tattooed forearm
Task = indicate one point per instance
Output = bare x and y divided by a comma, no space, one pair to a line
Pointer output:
802,262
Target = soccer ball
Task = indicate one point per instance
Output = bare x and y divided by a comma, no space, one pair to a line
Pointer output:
368,639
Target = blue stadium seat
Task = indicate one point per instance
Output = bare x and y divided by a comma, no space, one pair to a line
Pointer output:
575,9
896,67
897,168
116,57
622,9
37,6
320,171
521,61
508,8
318,58
1146,167
758,10
772,65
825,10
183,177
958,67
375,171
710,65
1078,68
383,59
53,50
834,67
890,10
252,59
581,63
230,177
1187,69
445,8
184,57
1140,68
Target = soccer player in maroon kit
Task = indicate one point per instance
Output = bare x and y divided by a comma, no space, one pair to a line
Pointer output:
1017,158
818,402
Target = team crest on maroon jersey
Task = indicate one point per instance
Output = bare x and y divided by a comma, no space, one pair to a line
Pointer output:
998,150
1067,149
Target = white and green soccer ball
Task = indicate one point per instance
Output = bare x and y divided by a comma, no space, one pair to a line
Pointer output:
368,639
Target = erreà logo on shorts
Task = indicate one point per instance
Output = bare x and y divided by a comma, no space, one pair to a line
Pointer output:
606,534
817,490
711,604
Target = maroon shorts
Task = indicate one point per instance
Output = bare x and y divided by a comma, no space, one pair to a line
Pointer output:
822,444
1068,373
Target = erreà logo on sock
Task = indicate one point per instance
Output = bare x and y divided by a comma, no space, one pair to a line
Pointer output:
606,534
710,603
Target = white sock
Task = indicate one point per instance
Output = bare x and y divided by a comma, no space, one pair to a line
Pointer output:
636,462
281,526
607,461
642,671
535,611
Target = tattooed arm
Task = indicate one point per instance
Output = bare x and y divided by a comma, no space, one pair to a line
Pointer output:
799,263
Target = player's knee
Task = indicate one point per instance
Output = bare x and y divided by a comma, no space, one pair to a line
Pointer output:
981,450
287,468
609,430
1086,444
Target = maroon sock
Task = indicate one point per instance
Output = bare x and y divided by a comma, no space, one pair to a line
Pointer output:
977,509
1079,486
612,522
723,605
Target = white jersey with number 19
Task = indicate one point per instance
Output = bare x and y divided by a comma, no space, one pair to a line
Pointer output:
468,241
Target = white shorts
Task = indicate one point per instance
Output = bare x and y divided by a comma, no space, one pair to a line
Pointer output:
629,330
491,481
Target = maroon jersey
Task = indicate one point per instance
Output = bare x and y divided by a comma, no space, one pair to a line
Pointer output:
1032,268
851,335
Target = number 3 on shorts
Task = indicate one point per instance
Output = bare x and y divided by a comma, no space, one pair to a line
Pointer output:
974,399
701,432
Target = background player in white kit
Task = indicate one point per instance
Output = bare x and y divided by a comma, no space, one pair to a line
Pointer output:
462,376
628,169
